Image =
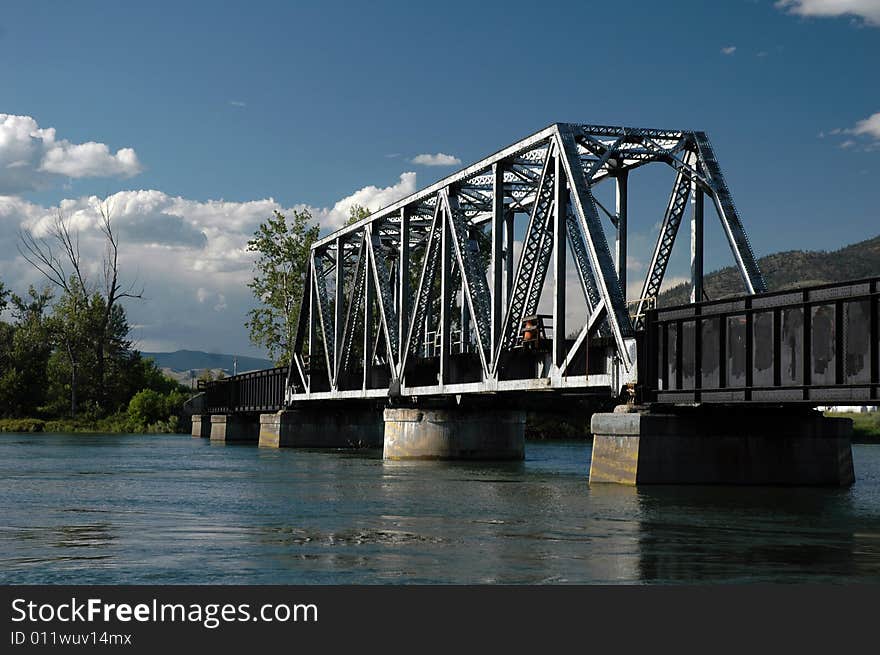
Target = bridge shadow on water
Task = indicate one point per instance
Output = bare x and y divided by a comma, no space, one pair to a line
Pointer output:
752,534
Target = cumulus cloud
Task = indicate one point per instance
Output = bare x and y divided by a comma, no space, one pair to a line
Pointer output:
190,256
728,50
866,10
370,197
437,159
869,126
33,158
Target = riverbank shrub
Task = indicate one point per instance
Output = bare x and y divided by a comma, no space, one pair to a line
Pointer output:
22,425
151,411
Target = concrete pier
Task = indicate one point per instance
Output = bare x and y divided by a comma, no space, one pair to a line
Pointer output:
327,428
234,428
759,447
201,426
454,434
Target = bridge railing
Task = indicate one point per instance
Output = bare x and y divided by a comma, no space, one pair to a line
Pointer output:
256,391
819,345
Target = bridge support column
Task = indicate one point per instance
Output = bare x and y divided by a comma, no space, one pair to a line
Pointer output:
454,434
201,425
316,428
722,446
239,428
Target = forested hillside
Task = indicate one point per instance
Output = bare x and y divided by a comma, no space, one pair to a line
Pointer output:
791,269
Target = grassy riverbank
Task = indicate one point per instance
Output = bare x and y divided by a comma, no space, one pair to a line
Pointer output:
117,424
866,427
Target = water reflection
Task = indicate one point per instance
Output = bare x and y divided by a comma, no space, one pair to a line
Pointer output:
690,534
156,509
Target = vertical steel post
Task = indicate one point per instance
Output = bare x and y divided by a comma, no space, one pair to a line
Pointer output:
368,321
697,244
313,304
560,209
508,262
337,307
403,291
445,295
621,201
497,256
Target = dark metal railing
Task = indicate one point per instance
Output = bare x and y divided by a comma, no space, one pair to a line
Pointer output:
818,345
257,391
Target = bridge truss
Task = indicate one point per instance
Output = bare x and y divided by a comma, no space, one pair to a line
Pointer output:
428,296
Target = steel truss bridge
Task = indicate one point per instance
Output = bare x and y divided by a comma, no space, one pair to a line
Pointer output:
429,298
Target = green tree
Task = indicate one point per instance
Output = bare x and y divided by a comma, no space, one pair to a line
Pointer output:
24,351
4,295
282,248
88,315
356,213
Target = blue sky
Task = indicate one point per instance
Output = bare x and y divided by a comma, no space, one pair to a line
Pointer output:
263,105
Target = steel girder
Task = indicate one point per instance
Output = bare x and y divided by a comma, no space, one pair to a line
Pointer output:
436,268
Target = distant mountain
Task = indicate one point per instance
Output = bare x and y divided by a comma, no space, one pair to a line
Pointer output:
790,270
187,360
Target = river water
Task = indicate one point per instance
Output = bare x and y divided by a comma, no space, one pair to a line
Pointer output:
169,509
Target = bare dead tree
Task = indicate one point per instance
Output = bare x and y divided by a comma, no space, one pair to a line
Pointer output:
57,257
113,291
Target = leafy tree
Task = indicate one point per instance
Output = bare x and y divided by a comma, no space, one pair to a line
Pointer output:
282,248
356,213
4,294
69,331
24,352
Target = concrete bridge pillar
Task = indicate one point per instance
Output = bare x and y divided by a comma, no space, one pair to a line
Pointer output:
731,445
454,433
201,425
322,428
239,428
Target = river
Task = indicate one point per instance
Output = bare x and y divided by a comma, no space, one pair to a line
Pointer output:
170,509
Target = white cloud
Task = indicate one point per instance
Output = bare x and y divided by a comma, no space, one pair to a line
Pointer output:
728,50
866,10
869,126
438,159
33,158
864,135
370,197
190,256
238,103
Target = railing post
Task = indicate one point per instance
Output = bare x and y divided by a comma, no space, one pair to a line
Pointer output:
750,349
839,349
807,365
777,347
874,348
